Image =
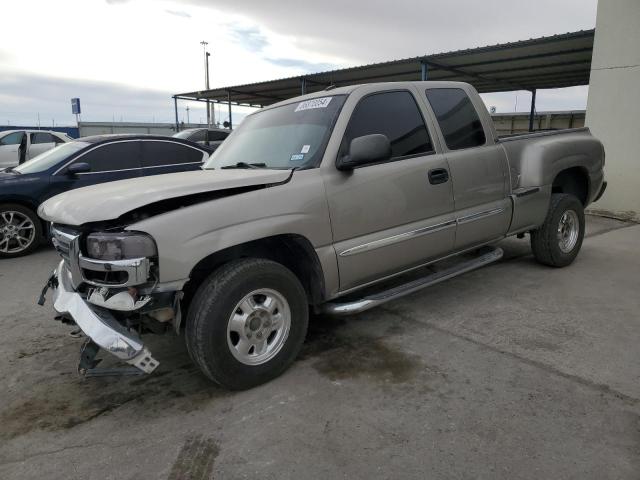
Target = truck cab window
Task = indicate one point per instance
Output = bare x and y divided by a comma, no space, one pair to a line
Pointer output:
457,117
394,114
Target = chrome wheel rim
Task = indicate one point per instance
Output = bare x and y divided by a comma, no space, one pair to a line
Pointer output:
259,326
568,230
17,232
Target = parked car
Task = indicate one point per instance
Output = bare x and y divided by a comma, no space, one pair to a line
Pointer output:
336,200
18,146
212,137
88,161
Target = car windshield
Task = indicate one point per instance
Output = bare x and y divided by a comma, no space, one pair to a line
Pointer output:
290,136
185,134
52,157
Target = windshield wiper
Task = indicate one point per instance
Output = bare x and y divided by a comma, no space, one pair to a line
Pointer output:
11,170
246,165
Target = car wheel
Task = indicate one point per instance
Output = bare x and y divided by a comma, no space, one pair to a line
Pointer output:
247,322
20,230
558,241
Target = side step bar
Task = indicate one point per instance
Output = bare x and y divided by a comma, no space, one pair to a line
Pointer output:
373,300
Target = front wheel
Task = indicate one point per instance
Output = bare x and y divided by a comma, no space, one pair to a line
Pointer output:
558,241
20,230
247,322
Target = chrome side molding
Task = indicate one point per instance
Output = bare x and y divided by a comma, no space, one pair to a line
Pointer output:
383,242
401,237
360,305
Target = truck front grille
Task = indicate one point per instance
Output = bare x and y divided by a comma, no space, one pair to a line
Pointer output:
66,242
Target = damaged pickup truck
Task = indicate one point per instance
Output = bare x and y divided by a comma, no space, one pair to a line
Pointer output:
339,201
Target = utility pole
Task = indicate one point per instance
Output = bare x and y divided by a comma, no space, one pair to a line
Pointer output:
206,76
188,122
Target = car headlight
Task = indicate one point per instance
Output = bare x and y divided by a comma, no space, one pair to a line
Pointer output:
120,245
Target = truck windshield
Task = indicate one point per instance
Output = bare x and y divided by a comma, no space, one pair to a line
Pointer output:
290,136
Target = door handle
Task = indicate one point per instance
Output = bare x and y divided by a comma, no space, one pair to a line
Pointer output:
438,175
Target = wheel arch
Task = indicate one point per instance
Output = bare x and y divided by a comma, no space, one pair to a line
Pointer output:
574,181
294,251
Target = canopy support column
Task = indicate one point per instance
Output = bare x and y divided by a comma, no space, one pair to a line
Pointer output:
175,107
532,113
230,117
424,70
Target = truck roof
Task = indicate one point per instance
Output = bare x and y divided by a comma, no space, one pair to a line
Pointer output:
351,88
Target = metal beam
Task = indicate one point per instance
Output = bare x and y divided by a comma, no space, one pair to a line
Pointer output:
424,70
230,117
175,106
533,109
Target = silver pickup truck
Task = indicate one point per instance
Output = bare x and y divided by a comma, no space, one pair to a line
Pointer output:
339,201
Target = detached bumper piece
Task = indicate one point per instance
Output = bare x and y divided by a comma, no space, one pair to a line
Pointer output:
101,327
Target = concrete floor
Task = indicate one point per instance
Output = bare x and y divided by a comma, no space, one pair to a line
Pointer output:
512,371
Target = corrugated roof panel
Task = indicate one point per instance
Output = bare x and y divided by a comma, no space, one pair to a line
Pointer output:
547,62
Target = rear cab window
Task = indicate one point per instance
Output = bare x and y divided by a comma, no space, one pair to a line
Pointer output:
457,117
394,114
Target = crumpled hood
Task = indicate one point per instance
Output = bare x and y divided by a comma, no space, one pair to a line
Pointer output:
108,201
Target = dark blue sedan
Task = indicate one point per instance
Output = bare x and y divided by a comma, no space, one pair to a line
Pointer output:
85,162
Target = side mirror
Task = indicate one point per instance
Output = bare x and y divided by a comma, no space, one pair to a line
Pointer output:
364,150
79,167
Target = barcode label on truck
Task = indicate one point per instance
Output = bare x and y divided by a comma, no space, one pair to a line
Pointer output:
315,103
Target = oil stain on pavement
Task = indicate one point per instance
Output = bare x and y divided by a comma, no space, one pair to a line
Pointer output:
195,460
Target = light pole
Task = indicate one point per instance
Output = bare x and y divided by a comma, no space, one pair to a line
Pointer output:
206,76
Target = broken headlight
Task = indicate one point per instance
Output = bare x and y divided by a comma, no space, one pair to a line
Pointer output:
120,245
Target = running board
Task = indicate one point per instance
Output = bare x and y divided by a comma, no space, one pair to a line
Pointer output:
378,298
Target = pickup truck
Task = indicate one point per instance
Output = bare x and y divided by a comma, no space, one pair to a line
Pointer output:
332,202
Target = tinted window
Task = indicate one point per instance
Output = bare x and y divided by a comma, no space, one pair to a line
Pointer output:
42,138
168,153
458,119
113,156
198,136
12,139
217,136
394,114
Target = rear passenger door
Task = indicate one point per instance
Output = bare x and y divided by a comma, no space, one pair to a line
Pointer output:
40,142
390,216
165,156
478,168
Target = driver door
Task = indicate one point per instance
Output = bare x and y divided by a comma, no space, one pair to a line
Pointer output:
391,216
109,162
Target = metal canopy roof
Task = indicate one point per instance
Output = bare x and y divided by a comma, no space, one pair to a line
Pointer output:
547,62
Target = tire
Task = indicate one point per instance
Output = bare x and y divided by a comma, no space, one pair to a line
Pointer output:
557,242
16,241
221,322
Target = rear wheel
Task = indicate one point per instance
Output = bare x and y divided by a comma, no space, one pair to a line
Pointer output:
558,241
20,230
247,322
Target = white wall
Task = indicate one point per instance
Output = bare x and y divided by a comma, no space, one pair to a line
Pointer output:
101,128
613,107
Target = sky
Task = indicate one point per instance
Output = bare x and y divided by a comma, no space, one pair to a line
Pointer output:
125,58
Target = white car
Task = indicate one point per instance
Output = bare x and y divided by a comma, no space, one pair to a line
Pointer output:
18,146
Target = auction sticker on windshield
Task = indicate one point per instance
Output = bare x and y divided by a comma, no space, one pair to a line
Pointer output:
315,103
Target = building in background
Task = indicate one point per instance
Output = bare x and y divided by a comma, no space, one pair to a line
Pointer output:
613,107
101,128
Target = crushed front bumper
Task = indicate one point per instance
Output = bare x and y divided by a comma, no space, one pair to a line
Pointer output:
99,324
